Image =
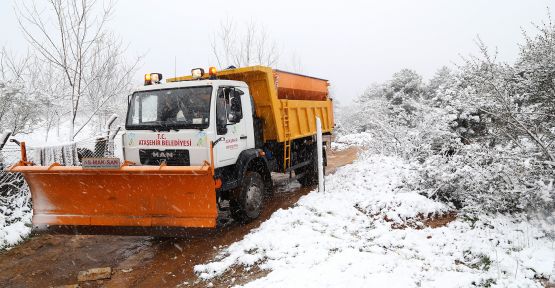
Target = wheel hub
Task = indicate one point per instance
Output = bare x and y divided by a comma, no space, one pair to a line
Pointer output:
254,200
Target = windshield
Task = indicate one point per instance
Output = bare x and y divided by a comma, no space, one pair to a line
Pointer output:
176,108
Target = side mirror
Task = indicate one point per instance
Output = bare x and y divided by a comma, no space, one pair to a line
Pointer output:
233,118
221,115
221,124
235,113
221,130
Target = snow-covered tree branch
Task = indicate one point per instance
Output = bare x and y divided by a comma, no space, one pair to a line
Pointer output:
240,46
72,39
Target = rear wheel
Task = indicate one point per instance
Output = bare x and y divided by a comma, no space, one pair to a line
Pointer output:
249,198
310,171
309,175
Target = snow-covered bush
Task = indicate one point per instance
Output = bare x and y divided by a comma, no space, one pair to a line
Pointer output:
397,120
482,136
19,109
491,180
15,209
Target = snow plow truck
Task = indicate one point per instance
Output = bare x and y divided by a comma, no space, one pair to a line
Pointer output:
188,145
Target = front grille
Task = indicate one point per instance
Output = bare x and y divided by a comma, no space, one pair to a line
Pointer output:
170,156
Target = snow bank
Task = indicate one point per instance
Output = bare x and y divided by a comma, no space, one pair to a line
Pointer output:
343,142
15,212
344,238
15,233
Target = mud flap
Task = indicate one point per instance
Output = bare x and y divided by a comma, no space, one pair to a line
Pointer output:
131,196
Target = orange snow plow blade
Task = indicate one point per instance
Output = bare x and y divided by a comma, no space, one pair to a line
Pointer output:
130,196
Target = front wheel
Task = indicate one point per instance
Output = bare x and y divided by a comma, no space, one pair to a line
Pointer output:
248,200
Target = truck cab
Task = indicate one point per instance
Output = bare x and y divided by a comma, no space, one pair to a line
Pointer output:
175,123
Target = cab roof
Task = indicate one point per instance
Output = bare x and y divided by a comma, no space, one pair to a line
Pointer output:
182,84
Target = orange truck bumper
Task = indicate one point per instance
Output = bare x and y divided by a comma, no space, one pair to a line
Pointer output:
130,196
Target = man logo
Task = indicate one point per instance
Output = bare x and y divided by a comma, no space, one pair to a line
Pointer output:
131,138
161,154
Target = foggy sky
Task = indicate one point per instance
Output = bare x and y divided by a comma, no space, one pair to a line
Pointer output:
351,43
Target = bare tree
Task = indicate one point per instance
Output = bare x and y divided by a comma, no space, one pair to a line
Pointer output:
101,94
243,46
296,63
72,37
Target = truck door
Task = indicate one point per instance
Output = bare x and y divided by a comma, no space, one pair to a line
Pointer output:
230,125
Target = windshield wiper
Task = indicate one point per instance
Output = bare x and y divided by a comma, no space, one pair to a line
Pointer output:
168,127
165,127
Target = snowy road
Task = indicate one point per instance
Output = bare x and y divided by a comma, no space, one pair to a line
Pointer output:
52,260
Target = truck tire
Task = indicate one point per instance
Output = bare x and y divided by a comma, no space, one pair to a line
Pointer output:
310,171
310,174
248,202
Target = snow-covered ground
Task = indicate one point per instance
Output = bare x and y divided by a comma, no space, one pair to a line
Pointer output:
365,230
345,141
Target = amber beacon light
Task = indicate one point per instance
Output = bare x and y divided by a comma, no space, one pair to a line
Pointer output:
153,78
212,71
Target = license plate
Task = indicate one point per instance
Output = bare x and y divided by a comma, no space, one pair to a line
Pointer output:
100,163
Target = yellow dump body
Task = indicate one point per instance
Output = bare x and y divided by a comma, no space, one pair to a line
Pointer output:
287,103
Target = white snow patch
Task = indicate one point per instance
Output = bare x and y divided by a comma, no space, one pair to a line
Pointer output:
341,239
343,142
14,233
